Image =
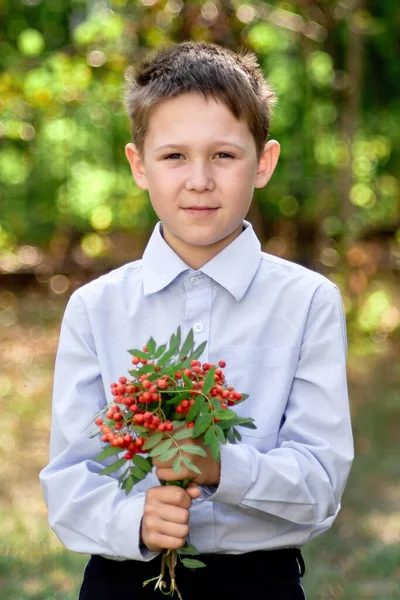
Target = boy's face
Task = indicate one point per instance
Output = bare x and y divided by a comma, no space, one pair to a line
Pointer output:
200,167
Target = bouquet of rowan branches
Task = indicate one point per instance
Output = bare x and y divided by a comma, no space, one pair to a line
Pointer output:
170,397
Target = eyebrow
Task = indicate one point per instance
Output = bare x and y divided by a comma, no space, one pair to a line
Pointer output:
185,147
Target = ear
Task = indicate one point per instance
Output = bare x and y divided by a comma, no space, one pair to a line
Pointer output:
267,163
137,166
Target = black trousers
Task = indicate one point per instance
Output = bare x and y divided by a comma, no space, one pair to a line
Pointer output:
262,575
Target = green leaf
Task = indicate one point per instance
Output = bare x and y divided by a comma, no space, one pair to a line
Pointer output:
231,437
142,463
177,466
209,381
220,434
249,424
224,414
117,465
211,440
168,454
139,354
237,434
138,428
202,422
195,408
193,449
192,563
108,451
188,549
190,465
187,345
160,448
151,346
174,343
165,359
160,351
188,382
198,351
137,473
182,434
128,484
152,440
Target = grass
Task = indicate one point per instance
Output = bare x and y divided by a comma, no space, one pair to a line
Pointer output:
357,559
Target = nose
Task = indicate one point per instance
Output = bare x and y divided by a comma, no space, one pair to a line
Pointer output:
200,177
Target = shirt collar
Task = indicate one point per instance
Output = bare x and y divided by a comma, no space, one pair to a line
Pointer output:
233,268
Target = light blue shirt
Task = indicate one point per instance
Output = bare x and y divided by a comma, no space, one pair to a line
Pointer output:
281,330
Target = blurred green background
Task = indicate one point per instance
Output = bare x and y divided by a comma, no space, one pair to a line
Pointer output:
69,211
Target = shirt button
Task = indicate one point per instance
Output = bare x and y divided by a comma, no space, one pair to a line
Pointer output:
198,327
195,280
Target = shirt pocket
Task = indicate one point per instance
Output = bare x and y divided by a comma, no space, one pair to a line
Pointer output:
266,374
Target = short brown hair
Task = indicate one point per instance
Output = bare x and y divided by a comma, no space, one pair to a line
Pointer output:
200,67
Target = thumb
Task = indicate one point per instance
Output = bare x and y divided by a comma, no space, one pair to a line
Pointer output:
193,490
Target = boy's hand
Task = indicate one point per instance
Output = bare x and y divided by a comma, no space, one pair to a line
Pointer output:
166,516
209,467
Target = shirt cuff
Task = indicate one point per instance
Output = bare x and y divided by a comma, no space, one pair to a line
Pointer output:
236,475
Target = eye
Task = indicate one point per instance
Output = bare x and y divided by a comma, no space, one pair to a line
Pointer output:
225,154
172,155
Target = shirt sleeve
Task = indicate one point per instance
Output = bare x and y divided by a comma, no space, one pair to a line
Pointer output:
303,478
89,513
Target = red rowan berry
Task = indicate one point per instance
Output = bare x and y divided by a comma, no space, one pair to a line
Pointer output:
128,438
222,364
178,375
99,421
135,360
145,349
121,390
128,455
134,408
118,426
123,380
138,419
168,426
146,397
185,404
154,397
104,438
118,416
109,414
238,396
146,384
190,424
161,427
139,441
130,389
179,409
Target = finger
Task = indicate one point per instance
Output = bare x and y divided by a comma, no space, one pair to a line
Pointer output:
169,513
169,495
193,490
157,541
168,474
165,465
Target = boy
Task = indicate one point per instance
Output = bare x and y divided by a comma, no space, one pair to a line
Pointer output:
200,117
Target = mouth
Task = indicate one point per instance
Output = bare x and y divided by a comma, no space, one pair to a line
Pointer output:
200,210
